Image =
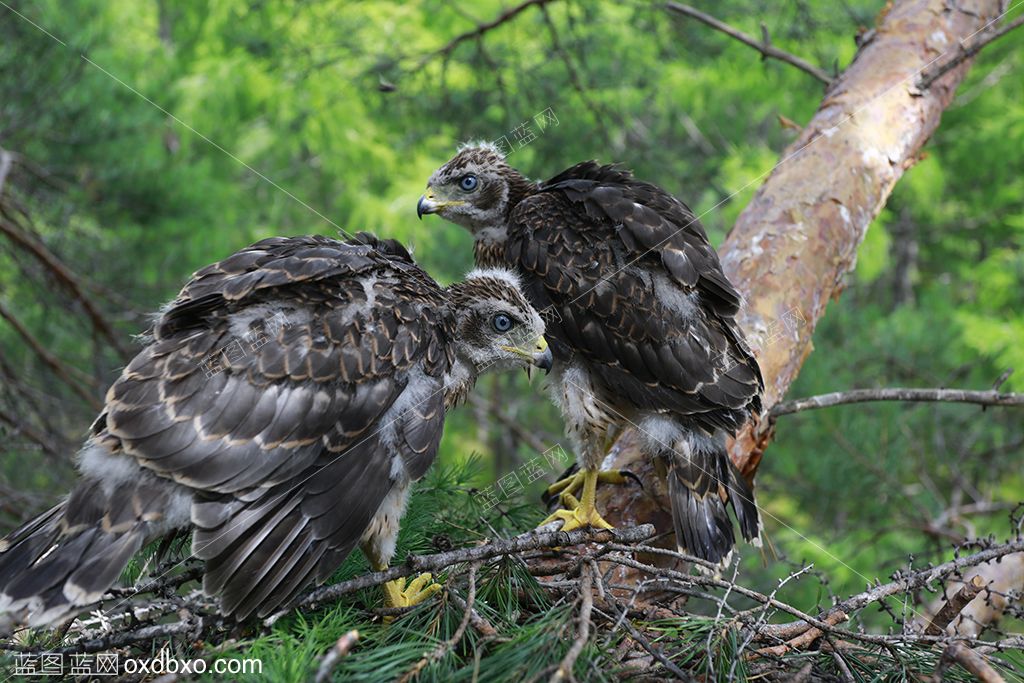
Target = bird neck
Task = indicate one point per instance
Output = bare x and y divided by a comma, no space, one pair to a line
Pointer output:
458,382
489,248
489,240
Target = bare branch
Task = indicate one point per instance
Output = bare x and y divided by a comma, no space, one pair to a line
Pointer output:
984,398
801,641
73,377
966,52
335,654
763,46
67,279
564,671
524,542
482,29
968,659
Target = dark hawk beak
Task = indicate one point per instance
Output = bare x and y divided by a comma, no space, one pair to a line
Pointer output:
429,203
426,205
541,358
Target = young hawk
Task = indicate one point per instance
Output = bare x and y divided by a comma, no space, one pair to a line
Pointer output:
280,409
641,321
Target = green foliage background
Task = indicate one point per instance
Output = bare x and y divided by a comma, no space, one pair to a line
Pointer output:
168,134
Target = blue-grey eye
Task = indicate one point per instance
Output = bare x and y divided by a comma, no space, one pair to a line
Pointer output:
501,322
468,183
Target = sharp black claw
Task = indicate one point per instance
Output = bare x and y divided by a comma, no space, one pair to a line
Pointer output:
629,475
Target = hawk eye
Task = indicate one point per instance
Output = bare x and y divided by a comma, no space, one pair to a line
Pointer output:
468,183
501,323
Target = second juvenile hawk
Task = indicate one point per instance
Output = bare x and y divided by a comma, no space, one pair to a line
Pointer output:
640,318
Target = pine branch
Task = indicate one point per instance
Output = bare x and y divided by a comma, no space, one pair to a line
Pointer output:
432,563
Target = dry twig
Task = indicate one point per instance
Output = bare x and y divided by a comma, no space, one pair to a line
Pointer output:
73,377
335,654
763,46
564,671
966,52
984,398
481,29
968,659
954,605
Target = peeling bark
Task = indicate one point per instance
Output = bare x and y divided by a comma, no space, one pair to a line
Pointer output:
798,238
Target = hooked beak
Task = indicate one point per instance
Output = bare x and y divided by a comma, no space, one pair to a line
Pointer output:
542,357
539,356
430,204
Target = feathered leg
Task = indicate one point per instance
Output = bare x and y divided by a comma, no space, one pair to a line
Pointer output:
702,484
589,425
378,544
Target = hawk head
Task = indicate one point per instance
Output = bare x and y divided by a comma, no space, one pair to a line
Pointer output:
495,326
475,189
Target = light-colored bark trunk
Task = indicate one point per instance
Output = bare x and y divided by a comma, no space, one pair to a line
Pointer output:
792,246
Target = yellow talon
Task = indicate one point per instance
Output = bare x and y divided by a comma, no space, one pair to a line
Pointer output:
573,482
581,513
397,594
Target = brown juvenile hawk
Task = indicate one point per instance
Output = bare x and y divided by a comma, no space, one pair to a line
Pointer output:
640,318
280,409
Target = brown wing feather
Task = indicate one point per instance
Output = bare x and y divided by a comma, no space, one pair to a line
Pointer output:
591,244
282,443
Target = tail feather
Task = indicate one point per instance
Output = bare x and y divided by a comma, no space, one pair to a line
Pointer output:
68,557
702,485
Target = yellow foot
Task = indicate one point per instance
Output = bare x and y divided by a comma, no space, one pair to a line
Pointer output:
583,512
397,594
572,483
576,516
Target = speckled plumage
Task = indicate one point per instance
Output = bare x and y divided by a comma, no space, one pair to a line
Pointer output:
342,358
640,317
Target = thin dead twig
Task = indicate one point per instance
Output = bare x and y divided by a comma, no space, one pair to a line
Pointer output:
966,52
480,30
763,46
984,398
954,605
564,671
73,377
335,654
68,280
968,659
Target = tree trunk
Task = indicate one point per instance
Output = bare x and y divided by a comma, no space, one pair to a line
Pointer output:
794,243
